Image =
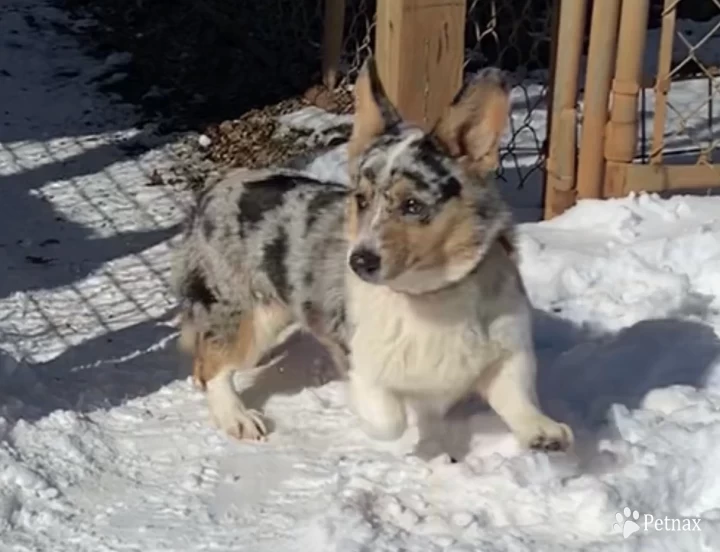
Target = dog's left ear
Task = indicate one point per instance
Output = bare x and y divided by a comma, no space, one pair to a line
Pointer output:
472,125
374,112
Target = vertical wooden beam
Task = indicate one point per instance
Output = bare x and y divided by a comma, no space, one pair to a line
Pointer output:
554,29
333,25
621,135
598,77
560,181
419,53
550,91
662,80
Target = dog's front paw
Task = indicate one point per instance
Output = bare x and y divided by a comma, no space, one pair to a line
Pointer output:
242,423
547,435
380,412
198,383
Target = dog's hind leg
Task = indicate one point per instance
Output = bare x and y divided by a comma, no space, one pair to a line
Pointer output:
190,343
256,334
510,392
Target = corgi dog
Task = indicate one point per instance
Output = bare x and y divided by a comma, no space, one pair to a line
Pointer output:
408,275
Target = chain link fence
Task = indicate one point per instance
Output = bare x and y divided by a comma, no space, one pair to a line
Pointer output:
213,61
512,34
516,35
683,58
202,63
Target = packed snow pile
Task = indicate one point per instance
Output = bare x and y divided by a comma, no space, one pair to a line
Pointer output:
105,444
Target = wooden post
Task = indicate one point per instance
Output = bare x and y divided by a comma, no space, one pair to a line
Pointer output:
550,90
554,29
662,80
600,64
560,181
332,41
621,135
419,53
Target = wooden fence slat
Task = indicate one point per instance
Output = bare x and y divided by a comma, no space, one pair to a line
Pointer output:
600,64
658,178
662,81
621,138
560,180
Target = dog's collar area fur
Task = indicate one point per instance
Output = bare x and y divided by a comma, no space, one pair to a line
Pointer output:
503,241
507,245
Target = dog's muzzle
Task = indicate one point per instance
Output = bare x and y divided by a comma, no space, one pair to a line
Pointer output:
366,264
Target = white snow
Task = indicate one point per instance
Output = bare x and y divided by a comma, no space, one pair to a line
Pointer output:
105,445
204,141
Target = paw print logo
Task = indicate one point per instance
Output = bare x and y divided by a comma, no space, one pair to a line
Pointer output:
627,521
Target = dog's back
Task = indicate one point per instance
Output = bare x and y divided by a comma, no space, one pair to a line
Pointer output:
258,238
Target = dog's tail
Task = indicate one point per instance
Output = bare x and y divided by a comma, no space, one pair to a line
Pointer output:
187,341
189,283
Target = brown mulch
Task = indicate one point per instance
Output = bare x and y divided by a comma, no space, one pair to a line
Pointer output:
252,140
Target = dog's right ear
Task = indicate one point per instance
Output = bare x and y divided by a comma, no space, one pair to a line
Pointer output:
374,112
471,127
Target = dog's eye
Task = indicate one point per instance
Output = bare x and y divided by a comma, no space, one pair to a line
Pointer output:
361,202
413,207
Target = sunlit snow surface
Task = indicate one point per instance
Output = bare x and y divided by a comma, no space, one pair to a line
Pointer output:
105,445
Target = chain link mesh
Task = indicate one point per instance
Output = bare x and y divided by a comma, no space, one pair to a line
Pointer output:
358,36
516,35
688,127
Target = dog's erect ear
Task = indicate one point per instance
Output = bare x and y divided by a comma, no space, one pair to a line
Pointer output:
472,125
373,110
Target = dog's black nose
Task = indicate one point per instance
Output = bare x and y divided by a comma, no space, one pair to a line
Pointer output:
365,263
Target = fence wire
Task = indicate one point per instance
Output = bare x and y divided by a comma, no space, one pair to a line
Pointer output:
683,127
516,35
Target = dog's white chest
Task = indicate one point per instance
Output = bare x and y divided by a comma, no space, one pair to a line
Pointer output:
439,348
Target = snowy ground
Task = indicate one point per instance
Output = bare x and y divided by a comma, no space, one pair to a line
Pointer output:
105,446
